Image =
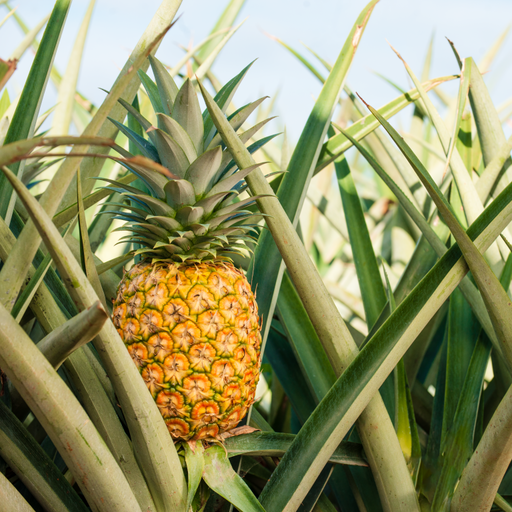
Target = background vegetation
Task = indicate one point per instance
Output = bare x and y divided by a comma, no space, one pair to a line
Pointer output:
387,366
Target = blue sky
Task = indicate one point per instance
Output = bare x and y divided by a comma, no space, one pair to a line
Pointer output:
323,25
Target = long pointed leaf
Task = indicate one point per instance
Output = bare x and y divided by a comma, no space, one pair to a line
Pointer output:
220,476
67,88
496,300
63,418
162,468
347,398
26,246
24,119
31,463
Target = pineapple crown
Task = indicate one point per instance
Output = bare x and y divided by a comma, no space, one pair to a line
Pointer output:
191,210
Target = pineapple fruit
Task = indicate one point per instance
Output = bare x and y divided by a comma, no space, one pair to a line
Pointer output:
187,315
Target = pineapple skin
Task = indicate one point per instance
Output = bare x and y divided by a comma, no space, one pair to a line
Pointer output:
193,331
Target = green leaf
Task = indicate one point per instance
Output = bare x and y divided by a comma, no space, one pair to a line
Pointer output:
71,431
170,153
67,88
25,116
280,355
275,444
347,398
64,216
310,354
59,188
267,263
182,138
458,441
146,148
7,69
77,331
330,327
29,39
152,91
223,99
368,275
488,124
470,292
33,466
493,170
470,199
30,290
339,143
226,20
194,459
162,467
4,102
302,59
315,492
86,255
12,499
221,478
489,461
167,89
202,171
187,113
495,297
206,64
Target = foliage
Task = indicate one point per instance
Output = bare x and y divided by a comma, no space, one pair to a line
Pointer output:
382,270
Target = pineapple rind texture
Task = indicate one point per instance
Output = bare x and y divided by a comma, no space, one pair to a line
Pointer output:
193,331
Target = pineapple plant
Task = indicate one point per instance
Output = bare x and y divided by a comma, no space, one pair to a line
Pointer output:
187,315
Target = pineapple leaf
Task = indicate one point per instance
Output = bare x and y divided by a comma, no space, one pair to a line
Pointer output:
86,255
338,144
114,262
367,268
145,147
145,124
154,180
166,222
229,182
170,152
190,214
187,113
166,85
26,295
64,216
58,345
211,201
230,168
33,465
221,478
157,206
382,352
179,193
24,118
223,99
151,90
202,171
144,419
495,298
174,129
238,118
194,459
64,418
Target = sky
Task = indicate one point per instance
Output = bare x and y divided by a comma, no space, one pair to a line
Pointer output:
322,25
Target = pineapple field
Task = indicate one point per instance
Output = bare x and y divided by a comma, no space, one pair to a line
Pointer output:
204,308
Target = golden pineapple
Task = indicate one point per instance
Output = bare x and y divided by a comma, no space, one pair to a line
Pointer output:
186,314
193,332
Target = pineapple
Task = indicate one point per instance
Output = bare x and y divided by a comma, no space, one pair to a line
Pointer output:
187,315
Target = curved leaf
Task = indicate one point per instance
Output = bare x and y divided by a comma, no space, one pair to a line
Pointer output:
221,478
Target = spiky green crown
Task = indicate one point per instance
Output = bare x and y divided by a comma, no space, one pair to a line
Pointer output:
193,213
